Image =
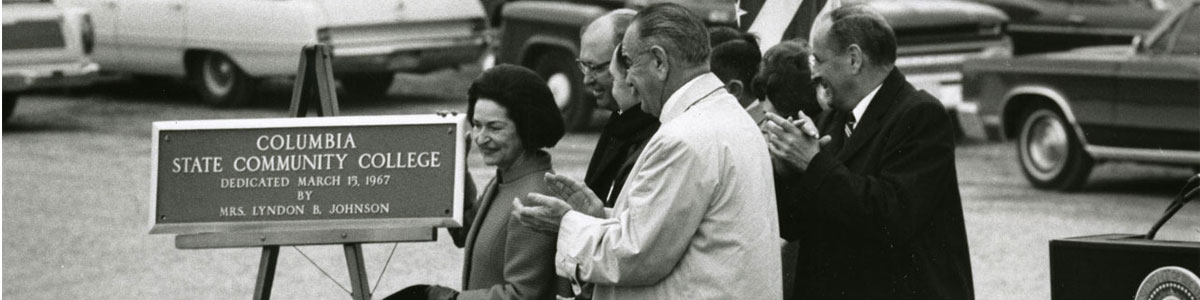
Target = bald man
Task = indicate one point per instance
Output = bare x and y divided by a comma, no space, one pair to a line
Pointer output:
629,128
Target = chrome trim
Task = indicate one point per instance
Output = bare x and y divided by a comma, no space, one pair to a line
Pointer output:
1075,30
1149,155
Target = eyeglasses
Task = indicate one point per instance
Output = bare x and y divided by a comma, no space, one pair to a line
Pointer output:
589,68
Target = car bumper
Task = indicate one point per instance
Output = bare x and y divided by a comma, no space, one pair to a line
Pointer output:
19,78
979,125
410,60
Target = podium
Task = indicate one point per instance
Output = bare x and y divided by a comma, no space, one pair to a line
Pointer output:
1113,266
1127,266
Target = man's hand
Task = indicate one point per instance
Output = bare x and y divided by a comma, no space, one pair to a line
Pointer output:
540,212
793,143
579,196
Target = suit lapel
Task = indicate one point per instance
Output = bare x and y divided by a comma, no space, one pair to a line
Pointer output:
872,119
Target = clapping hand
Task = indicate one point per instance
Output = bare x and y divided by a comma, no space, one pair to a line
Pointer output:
793,143
544,212
578,195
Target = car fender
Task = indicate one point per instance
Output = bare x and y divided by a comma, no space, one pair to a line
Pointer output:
1047,92
272,49
565,18
529,50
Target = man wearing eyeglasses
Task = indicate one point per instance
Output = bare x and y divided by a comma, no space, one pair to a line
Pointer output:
697,218
628,128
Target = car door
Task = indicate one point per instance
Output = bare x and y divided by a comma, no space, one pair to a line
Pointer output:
151,35
1159,103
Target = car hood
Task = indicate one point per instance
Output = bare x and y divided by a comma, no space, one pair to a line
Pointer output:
934,13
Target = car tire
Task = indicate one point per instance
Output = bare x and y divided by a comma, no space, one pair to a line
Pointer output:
10,102
222,82
566,83
1050,154
368,86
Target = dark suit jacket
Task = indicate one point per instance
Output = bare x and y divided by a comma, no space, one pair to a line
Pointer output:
878,216
620,143
504,259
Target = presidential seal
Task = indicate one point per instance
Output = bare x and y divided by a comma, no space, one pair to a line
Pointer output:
1169,283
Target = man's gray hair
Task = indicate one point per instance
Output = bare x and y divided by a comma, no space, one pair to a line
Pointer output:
675,29
857,24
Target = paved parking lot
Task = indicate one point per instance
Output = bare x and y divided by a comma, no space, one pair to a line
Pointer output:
76,188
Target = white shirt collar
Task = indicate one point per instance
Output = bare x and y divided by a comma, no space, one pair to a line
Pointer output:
688,94
861,107
753,105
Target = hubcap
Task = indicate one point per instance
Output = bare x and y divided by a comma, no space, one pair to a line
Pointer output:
1047,144
560,87
219,75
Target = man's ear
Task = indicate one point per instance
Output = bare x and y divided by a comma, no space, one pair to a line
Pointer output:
736,88
857,58
662,65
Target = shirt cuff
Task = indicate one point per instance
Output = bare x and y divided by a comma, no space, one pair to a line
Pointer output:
572,243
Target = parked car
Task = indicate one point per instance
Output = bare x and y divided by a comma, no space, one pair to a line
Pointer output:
1038,26
935,37
1069,110
544,36
226,46
45,46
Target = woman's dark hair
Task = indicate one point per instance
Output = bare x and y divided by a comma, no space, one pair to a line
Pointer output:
784,79
526,98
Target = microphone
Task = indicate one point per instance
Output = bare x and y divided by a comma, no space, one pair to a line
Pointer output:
1186,193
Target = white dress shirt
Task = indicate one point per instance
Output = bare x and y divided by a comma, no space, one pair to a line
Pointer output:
861,107
697,216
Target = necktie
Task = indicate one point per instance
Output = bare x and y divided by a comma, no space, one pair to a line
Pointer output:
849,126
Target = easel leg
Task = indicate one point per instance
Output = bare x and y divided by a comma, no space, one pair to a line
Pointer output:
358,271
266,272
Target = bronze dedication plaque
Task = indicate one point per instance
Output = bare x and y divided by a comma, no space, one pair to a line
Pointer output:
258,175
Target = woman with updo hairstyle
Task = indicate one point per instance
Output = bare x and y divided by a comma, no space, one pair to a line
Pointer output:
513,116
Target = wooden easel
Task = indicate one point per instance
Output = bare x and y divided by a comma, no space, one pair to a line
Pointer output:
314,87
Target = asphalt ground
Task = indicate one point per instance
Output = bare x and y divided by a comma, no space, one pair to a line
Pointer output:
76,187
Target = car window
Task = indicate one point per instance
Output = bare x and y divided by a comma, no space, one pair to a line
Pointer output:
1187,35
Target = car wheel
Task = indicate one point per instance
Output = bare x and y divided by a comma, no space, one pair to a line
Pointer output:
1051,156
10,102
221,82
368,86
566,83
